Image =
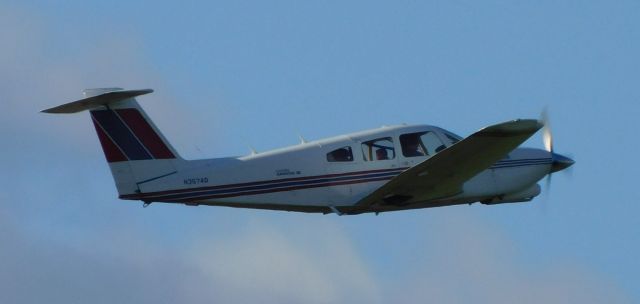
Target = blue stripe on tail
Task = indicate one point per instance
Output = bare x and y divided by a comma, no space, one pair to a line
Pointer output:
122,136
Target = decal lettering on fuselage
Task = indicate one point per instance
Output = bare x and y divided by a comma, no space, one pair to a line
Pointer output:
196,180
285,172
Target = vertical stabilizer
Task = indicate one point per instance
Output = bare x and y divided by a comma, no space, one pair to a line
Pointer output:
135,149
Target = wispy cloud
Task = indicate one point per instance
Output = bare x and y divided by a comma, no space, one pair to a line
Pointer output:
465,260
260,263
264,262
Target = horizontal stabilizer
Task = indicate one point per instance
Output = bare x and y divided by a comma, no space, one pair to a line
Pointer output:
96,101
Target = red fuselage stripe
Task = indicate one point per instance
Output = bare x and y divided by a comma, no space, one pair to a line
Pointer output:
329,184
264,182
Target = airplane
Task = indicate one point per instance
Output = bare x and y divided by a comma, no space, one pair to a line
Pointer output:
386,169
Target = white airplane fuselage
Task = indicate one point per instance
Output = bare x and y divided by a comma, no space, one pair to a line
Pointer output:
300,177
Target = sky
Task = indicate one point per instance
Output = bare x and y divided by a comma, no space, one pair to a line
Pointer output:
229,76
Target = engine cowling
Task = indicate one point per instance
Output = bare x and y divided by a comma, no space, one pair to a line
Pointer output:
522,196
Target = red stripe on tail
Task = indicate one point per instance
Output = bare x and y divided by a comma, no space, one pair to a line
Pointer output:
111,151
145,133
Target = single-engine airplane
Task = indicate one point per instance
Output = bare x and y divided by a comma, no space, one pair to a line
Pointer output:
386,169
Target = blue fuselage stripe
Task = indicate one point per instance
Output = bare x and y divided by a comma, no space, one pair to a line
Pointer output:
279,185
271,186
521,162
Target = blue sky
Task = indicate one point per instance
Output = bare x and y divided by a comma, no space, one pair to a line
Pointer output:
253,73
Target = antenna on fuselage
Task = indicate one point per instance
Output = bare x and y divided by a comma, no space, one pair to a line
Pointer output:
253,151
335,210
302,140
198,149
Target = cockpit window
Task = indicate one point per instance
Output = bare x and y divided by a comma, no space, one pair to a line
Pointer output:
378,149
343,154
420,144
412,145
452,137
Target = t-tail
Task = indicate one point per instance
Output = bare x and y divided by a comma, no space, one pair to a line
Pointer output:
139,156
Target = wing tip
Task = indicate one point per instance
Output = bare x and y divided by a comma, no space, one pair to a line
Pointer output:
517,126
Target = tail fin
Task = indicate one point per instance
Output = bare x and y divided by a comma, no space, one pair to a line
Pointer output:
135,149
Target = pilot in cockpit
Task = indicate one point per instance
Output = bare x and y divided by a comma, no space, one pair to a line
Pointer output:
381,154
411,146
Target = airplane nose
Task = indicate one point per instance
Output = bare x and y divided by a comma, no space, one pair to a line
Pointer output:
560,162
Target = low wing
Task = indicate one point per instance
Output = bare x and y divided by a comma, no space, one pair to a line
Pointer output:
444,174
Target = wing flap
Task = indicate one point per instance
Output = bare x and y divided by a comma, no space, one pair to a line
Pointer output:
444,174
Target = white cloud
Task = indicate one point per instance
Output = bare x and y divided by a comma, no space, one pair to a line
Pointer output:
468,261
463,261
264,263
259,264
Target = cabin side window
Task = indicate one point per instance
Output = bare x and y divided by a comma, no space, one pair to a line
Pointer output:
343,154
378,149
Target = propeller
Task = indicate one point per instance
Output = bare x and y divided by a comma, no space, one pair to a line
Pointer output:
547,140
547,137
558,162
